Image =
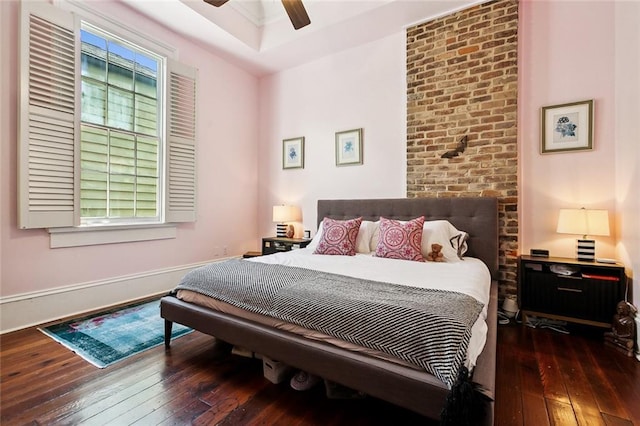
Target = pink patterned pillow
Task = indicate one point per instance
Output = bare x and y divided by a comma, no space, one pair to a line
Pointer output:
338,237
400,240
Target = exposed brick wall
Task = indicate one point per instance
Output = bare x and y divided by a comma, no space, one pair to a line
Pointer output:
462,79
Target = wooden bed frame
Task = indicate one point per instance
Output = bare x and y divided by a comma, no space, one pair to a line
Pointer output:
416,390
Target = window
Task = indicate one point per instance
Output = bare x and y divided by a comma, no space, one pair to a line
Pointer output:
120,141
107,130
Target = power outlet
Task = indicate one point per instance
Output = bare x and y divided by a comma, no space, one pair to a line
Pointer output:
224,251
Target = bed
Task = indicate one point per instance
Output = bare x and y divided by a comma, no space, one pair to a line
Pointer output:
400,384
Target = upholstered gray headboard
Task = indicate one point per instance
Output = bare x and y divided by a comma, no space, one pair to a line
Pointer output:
476,215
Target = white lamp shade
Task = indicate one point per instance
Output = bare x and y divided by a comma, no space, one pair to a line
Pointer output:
583,222
283,214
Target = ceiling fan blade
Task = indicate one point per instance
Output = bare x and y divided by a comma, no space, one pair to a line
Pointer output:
297,13
216,3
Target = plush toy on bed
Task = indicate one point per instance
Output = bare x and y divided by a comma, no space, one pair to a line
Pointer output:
435,255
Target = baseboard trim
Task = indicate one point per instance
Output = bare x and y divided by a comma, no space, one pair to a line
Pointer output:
36,308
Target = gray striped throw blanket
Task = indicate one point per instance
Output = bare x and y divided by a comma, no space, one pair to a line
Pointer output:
427,328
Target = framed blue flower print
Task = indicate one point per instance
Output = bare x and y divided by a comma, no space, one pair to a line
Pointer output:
349,147
293,153
567,127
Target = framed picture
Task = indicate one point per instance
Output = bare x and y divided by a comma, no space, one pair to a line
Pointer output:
349,147
293,153
567,127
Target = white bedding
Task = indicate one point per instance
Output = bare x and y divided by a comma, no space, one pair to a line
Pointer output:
469,276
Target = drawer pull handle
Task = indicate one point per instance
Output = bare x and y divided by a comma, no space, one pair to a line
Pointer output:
572,290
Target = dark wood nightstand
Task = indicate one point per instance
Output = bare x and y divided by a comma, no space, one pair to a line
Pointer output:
272,245
570,290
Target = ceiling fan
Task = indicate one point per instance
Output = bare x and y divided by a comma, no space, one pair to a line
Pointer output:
295,9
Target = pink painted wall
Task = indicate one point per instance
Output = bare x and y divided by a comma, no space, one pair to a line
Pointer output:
627,113
573,51
227,175
362,87
562,59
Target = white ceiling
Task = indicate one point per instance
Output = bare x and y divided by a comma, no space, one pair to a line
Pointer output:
258,36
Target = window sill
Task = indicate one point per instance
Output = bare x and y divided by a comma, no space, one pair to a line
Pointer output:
96,235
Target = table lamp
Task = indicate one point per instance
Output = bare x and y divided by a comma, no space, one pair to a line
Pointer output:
283,214
584,222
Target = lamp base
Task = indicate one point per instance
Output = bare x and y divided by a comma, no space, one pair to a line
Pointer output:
586,250
281,230
290,231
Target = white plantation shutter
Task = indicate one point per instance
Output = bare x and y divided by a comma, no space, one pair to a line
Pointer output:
49,128
47,155
180,183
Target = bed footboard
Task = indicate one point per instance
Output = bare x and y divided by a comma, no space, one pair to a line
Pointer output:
406,387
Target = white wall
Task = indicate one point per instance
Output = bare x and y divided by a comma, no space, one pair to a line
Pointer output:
227,177
362,87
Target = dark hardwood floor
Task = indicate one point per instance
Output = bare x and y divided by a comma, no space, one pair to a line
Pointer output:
548,378
543,378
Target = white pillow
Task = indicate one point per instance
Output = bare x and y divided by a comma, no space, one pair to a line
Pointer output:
363,245
375,236
316,239
367,229
438,231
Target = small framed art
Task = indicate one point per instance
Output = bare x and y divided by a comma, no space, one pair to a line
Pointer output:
293,153
567,127
349,147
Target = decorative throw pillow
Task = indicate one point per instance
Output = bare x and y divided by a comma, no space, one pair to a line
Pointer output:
459,240
338,237
400,240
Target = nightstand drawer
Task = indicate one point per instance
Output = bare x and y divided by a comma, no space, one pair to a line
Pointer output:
549,293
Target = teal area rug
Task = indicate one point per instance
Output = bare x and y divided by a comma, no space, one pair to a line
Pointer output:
108,337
